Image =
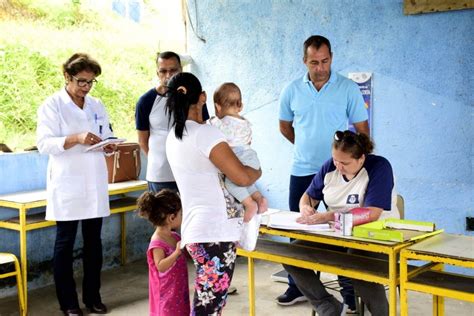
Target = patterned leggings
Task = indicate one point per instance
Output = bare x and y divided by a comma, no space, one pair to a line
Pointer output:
215,263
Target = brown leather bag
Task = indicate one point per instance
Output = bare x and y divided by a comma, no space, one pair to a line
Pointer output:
124,164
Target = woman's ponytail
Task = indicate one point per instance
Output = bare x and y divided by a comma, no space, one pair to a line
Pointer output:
178,108
365,143
184,90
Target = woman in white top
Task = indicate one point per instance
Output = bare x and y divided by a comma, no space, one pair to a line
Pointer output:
212,220
68,122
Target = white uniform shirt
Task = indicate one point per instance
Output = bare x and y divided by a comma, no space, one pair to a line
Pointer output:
158,168
205,214
151,116
76,180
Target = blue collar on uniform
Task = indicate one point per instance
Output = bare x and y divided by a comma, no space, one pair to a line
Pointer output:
332,77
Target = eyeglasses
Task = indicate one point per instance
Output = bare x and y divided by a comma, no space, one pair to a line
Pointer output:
83,82
171,71
347,137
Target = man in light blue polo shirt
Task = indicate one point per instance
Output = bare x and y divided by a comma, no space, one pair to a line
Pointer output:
312,109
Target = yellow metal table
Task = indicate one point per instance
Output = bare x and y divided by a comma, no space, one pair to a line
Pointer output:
25,201
435,252
391,249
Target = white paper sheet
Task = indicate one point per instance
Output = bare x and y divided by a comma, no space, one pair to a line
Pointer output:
104,143
287,220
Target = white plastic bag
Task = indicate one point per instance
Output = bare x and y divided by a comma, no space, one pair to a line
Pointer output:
249,233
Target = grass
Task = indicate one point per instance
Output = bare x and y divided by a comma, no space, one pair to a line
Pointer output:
38,36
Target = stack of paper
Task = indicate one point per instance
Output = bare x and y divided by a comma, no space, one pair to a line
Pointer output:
384,230
287,220
409,225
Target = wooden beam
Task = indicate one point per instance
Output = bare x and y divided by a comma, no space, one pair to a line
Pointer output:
429,6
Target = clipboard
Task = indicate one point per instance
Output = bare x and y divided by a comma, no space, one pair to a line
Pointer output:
104,143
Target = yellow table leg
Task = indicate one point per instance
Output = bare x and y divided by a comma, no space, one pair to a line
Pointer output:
403,291
251,272
438,301
441,306
24,262
438,305
392,273
123,239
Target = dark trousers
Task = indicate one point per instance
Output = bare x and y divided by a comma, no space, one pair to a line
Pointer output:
63,262
325,304
298,186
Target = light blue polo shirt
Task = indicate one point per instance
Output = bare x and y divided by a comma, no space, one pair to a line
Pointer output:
317,115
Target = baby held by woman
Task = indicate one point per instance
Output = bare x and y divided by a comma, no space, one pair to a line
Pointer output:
238,132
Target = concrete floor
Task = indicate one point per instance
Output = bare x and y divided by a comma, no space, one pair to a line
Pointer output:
125,292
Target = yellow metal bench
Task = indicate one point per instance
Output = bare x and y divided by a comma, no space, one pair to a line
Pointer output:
435,252
314,258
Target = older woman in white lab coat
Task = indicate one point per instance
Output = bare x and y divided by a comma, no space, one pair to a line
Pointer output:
68,123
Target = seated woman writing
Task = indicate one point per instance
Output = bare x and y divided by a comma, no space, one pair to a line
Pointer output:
352,178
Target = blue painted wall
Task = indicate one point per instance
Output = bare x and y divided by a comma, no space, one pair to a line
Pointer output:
423,119
27,171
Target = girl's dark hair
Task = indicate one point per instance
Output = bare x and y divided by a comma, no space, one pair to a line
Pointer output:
356,144
184,90
221,95
80,62
157,206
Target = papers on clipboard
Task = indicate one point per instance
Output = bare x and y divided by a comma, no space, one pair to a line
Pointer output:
287,220
105,142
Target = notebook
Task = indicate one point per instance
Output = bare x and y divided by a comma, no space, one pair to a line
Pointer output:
287,220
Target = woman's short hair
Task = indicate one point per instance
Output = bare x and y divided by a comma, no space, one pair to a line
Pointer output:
356,144
81,62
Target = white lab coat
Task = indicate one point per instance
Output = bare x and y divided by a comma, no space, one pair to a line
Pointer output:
76,180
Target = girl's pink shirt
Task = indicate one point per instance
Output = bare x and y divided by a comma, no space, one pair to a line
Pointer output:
168,291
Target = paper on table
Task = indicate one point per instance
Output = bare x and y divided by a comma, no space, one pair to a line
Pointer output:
287,220
266,216
104,143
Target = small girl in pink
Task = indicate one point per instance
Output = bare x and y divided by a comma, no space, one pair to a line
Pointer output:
168,274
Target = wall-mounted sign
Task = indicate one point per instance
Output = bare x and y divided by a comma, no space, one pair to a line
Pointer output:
364,80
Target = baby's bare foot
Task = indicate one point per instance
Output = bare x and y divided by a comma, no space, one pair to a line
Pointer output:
251,208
